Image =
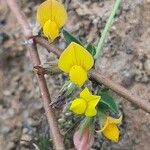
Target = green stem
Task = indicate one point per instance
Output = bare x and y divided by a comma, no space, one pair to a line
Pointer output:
107,28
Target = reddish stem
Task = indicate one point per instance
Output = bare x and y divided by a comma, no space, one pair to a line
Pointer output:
120,90
34,57
84,140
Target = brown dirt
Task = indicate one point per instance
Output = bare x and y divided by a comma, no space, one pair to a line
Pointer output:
125,59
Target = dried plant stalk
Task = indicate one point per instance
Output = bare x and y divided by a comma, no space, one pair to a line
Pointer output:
34,57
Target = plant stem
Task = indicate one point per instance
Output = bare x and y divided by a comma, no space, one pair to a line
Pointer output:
120,90
34,56
106,29
84,140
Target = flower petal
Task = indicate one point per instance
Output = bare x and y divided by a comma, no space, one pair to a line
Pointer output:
78,75
91,110
50,30
44,12
67,59
53,10
59,14
115,120
110,120
75,54
111,132
78,106
83,57
85,94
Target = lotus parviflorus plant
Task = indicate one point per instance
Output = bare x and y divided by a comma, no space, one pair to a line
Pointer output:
110,129
51,16
76,61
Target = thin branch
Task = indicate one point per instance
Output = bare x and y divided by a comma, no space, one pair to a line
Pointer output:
120,90
47,45
53,124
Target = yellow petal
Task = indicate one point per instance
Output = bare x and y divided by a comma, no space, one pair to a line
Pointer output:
83,57
111,132
67,59
91,110
44,12
60,14
53,10
78,75
50,30
85,94
115,120
78,106
110,120
75,54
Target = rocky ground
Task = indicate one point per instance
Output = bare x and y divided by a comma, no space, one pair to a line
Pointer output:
125,59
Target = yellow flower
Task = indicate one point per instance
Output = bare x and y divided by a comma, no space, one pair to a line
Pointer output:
85,104
52,16
76,61
110,129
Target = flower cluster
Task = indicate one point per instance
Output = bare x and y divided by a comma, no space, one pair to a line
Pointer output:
76,60
85,104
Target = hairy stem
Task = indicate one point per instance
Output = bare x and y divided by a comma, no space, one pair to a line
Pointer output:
106,29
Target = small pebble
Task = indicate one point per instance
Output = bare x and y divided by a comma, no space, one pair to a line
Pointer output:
7,93
25,130
4,130
10,145
26,137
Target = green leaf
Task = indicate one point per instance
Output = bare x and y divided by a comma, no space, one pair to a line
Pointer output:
70,38
103,107
91,49
109,101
